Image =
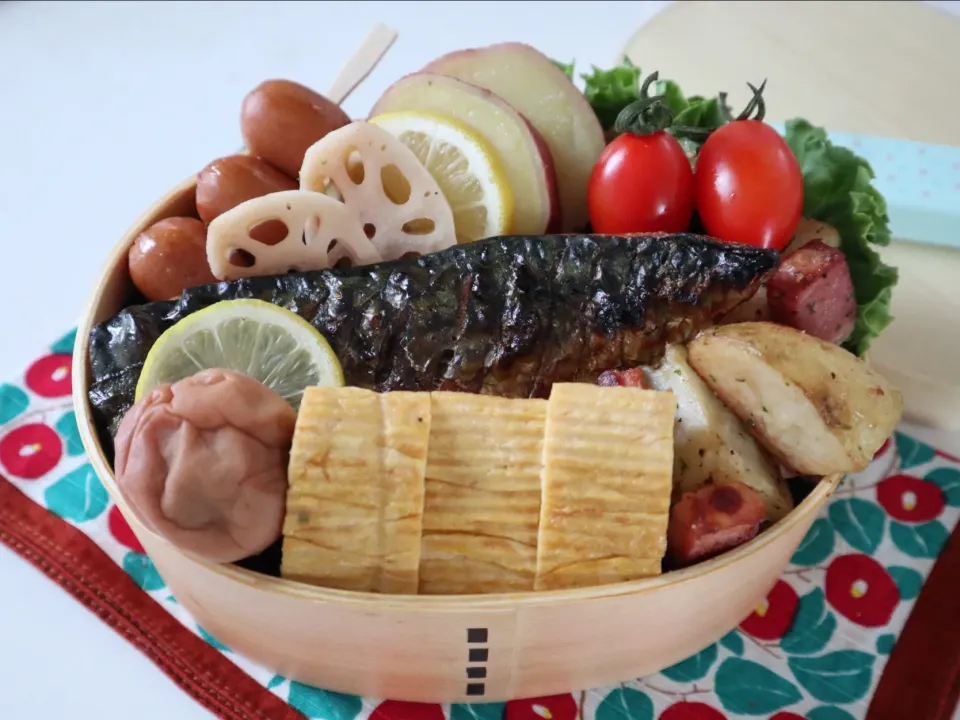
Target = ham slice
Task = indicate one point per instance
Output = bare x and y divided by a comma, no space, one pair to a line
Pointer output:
812,291
712,520
623,378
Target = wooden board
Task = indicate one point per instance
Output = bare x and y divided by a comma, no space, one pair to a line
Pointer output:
919,351
877,68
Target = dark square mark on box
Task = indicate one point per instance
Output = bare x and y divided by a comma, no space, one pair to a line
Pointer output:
476,688
476,635
478,654
476,673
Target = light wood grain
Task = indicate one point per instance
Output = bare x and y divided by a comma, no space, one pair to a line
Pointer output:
879,68
920,350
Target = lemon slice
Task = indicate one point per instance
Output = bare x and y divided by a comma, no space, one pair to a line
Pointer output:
465,166
263,341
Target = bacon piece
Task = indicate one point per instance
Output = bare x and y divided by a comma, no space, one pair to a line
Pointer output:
812,291
623,378
712,520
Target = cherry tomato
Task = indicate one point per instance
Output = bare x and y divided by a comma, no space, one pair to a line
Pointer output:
749,187
641,183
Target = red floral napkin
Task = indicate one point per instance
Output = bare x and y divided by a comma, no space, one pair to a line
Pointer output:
863,624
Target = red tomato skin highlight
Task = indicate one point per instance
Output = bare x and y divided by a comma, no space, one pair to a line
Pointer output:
748,185
641,183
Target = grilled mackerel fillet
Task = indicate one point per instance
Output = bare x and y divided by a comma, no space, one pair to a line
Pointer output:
507,316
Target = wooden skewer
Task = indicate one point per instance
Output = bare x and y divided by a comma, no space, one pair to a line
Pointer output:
362,62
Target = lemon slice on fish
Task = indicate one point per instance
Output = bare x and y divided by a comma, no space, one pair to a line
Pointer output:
465,166
263,341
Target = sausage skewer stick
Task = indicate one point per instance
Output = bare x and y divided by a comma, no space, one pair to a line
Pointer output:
364,59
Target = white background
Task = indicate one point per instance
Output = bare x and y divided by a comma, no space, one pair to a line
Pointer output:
104,107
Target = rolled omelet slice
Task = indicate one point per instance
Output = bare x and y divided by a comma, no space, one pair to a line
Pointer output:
607,469
356,490
482,503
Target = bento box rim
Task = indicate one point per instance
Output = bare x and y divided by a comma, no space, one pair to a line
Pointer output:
91,444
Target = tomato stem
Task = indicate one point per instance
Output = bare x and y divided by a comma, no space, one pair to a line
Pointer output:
649,114
756,103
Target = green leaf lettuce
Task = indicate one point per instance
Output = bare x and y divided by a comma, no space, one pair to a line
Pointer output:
610,91
566,67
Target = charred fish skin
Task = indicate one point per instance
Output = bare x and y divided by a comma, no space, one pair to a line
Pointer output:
124,341
507,316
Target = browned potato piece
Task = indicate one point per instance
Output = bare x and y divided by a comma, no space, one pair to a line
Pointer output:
280,119
168,257
810,230
816,407
710,444
228,181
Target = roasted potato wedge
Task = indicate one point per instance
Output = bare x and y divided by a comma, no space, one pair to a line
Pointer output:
710,444
814,406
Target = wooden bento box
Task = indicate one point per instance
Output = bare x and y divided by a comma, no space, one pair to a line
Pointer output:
444,648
